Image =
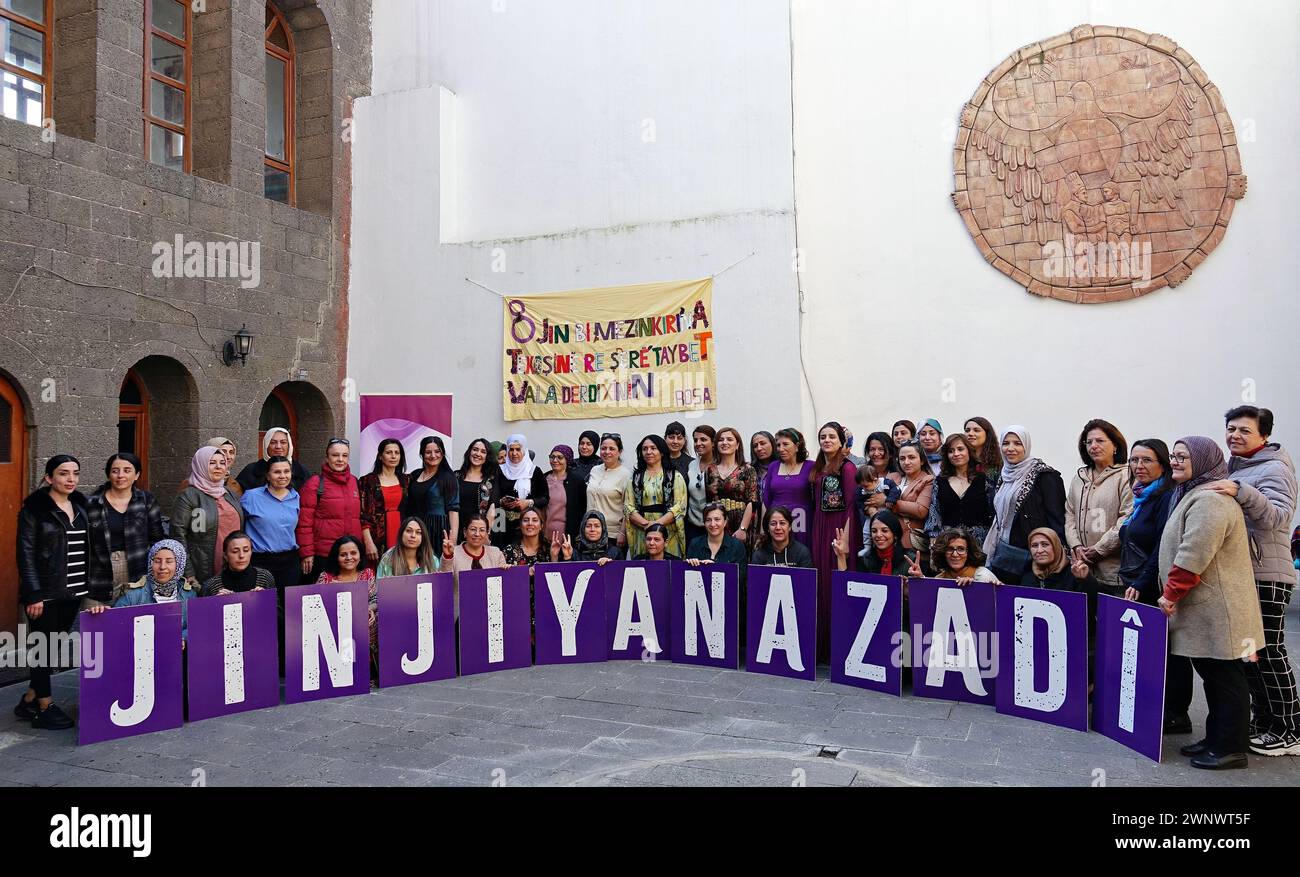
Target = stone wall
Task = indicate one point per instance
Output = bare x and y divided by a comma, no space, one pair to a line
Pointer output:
80,300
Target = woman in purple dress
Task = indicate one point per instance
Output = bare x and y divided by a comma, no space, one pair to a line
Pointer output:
833,480
788,483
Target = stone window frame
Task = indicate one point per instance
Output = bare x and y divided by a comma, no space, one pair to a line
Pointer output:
46,76
187,47
278,20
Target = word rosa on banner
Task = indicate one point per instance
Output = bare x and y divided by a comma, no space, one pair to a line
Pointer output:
638,611
617,351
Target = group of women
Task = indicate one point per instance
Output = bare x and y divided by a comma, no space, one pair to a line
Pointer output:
1145,524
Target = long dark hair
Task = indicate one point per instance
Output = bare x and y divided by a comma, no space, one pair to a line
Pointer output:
379,458
1161,450
489,467
823,464
990,456
126,456
445,478
946,468
771,440
911,427
332,560
423,552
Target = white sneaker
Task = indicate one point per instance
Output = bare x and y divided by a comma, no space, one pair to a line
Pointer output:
1270,743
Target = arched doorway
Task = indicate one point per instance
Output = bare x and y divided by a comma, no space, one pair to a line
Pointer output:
13,489
278,410
158,413
133,422
303,410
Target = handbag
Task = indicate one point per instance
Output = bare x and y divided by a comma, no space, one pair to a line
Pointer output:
1010,558
1132,560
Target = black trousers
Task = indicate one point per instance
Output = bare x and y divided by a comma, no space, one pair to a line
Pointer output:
57,617
1227,693
286,568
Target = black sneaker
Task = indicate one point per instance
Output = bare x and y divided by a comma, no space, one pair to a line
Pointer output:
52,719
26,709
1178,724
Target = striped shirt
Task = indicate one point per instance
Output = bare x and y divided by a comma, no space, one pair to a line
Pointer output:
77,554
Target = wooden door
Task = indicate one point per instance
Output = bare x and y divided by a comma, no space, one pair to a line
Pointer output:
13,489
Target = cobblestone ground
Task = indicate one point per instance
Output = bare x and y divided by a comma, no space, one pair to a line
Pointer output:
610,724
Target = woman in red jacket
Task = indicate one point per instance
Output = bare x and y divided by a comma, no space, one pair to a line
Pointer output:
330,507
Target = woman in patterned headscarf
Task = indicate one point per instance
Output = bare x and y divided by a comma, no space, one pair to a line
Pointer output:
165,582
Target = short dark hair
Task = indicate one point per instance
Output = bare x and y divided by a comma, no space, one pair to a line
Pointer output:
1112,432
271,461
1262,416
675,428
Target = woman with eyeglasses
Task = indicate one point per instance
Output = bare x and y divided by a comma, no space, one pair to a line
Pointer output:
329,507
705,439
733,484
1098,500
788,484
382,491
1139,537
523,486
657,496
607,487
1211,600
480,485
567,494
956,555
1031,495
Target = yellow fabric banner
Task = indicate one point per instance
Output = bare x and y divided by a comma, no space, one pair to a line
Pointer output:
612,352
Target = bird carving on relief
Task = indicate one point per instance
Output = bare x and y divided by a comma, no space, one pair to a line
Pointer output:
1132,125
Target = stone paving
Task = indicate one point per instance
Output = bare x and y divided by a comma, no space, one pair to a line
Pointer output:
613,724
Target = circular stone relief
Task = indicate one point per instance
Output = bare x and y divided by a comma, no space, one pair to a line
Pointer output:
1097,165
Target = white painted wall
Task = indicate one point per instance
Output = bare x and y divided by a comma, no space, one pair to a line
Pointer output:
899,298
542,145
550,170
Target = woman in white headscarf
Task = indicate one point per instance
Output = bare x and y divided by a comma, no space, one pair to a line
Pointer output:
524,487
1031,495
276,442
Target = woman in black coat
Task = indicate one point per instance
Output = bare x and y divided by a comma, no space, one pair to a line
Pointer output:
52,561
1139,538
1031,495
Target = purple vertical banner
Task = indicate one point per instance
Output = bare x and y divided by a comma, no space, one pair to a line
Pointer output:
232,654
130,677
326,641
781,627
953,653
1043,655
704,615
866,625
636,609
495,620
417,629
1128,700
570,608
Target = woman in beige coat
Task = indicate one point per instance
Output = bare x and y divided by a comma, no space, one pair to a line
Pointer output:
913,504
1211,601
1099,499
